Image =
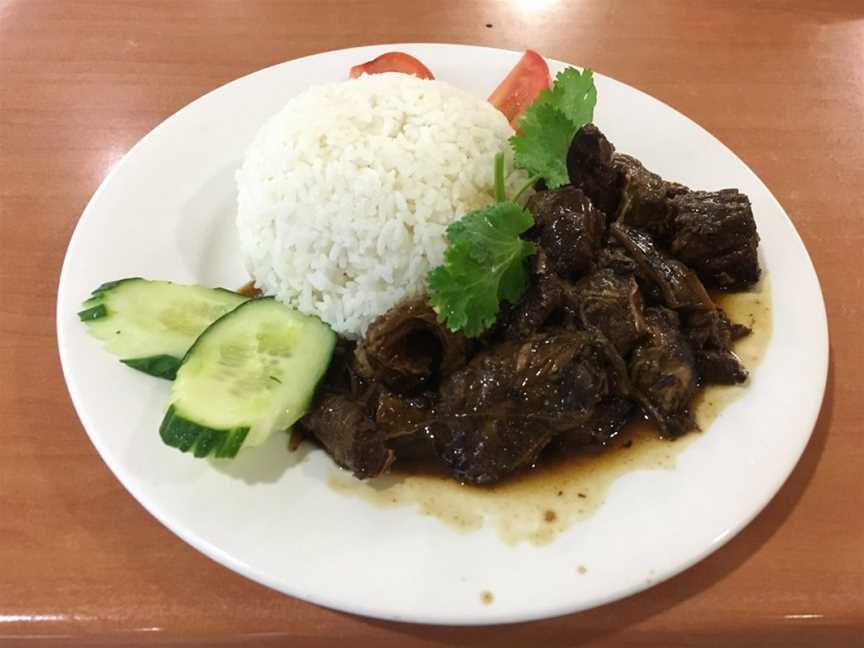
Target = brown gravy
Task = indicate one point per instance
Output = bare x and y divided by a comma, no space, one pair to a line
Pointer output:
538,505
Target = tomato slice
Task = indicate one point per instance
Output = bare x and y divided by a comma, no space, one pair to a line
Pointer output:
521,86
393,62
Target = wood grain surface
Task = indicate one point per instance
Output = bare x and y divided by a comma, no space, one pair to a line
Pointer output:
781,83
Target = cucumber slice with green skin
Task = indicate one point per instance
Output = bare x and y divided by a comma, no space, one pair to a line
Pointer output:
251,373
150,325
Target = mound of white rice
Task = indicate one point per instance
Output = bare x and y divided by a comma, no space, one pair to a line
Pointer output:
345,195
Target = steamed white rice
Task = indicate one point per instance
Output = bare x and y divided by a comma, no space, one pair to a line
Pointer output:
345,194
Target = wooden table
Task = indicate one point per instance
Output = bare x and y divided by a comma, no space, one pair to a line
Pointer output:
781,83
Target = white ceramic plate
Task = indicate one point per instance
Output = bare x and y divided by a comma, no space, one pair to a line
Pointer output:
166,211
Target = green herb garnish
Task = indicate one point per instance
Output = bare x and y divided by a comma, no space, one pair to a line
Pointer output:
485,258
541,149
548,126
483,265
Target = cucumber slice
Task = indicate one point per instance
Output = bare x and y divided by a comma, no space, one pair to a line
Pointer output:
150,325
251,373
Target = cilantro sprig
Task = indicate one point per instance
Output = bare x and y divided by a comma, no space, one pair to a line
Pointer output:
548,126
482,266
484,263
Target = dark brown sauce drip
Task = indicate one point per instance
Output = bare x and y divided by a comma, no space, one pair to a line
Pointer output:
537,505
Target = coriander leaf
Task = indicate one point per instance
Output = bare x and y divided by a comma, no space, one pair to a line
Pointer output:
574,94
542,146
548,125
514,279
483,264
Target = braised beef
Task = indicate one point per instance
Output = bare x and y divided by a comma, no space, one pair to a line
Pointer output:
615,258
616,321
663,372
405,422
619,185
589,165
340,377
715,234
716,366
349,435
502,409
407,347
613,304
394,414
606,422
609,418
711,334
709,329
568,229
712,232
646,199
547,375
534,310
679,285
485,449
739,331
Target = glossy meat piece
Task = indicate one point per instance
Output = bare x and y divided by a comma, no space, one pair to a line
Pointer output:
646,199
708,329
535,309
711,334
567,364
405,423
500,411
340,376
679,285
545,375
615,258
738,331
567,228
715,234
613,304
484,449
712,329
589,165
342,426
395,413
663,373
605,423
407,348
720,367
610,417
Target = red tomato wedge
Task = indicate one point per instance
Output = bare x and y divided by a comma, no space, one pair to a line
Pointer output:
521,86
393,62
